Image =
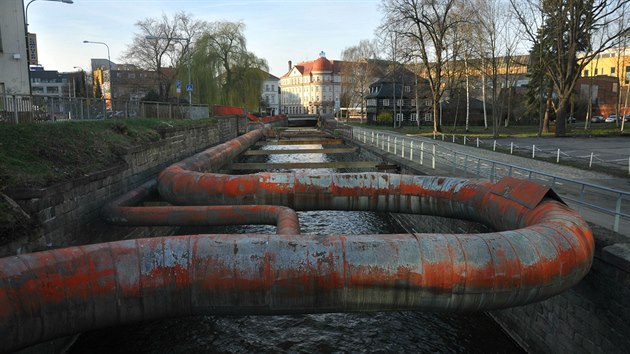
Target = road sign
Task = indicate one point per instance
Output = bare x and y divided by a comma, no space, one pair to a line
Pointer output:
189,87
32,49
178,86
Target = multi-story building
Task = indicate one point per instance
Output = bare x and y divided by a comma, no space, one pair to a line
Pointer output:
402,95
14,77
613,62
311,87
270,95
49,83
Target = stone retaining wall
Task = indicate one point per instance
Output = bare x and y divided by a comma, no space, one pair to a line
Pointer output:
69,213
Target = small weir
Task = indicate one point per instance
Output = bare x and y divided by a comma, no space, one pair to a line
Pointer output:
330,249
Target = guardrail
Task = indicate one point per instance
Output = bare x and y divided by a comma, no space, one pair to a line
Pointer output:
534,151
606,206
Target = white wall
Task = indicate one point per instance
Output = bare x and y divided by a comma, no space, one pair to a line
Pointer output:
13,61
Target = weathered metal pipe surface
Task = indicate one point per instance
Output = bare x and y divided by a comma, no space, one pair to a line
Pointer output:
541,248
124,212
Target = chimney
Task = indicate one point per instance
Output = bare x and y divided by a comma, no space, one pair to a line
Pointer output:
290,65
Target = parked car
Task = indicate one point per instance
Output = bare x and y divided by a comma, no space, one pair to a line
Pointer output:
626,118
612,118
597,119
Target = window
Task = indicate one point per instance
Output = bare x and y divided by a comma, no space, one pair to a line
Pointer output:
371,102
627,81
400,117
399,103
386,103
413,103
428,103
596,71
407,88
585,72
267,87
413,117
428,117
131,76
612,71
273,87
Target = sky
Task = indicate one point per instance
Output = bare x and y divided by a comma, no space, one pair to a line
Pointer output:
276,30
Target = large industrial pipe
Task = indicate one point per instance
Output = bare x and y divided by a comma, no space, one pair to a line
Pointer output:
540,249
124,211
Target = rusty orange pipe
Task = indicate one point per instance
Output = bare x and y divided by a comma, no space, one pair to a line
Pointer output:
540,249
124,212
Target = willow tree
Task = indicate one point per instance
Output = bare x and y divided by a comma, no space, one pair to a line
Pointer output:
224,71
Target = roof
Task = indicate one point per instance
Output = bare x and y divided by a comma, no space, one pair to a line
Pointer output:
320,64
386,85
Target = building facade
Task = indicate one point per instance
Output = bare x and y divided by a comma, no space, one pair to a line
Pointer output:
613,62
403,96
14,76
270,96
312,87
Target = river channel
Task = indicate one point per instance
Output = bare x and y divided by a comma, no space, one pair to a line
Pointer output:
382,332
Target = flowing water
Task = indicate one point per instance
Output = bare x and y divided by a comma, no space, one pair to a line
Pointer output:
382,332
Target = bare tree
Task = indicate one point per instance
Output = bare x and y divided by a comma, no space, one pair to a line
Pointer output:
359,70
427,23
155,45
570,25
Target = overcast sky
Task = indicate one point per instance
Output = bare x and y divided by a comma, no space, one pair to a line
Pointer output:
277,30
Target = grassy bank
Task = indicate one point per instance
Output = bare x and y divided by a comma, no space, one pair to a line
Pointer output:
40,155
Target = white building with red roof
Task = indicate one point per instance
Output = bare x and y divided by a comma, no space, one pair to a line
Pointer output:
311,87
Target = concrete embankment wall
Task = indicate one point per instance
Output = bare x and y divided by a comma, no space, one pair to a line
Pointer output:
591,317
69,213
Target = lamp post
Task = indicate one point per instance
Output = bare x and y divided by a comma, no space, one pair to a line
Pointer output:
180,39
26,34
109,64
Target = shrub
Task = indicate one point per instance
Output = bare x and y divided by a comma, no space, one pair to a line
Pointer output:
384,118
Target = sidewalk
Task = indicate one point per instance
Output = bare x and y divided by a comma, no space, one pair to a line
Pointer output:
568,190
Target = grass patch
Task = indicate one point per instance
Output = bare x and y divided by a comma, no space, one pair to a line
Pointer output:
39,155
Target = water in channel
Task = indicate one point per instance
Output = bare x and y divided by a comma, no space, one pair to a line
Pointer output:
381,332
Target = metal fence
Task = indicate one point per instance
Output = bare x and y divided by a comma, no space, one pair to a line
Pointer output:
16,109
551,154
605,206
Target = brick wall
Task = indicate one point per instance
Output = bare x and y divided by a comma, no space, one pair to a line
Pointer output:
69,213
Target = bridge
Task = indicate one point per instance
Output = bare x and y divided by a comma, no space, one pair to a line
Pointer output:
541,248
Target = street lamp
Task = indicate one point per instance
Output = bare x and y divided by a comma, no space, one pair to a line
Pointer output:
109,64
180,39
26,34
30,2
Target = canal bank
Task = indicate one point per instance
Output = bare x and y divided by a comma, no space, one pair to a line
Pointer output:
592,317
407,169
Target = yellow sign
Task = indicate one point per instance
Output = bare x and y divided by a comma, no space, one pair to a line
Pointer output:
32,49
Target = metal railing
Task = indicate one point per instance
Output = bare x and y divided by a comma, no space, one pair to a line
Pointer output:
551,154
16,109
605,206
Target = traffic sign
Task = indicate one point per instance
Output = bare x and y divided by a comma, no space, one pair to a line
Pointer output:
178,86
189,87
